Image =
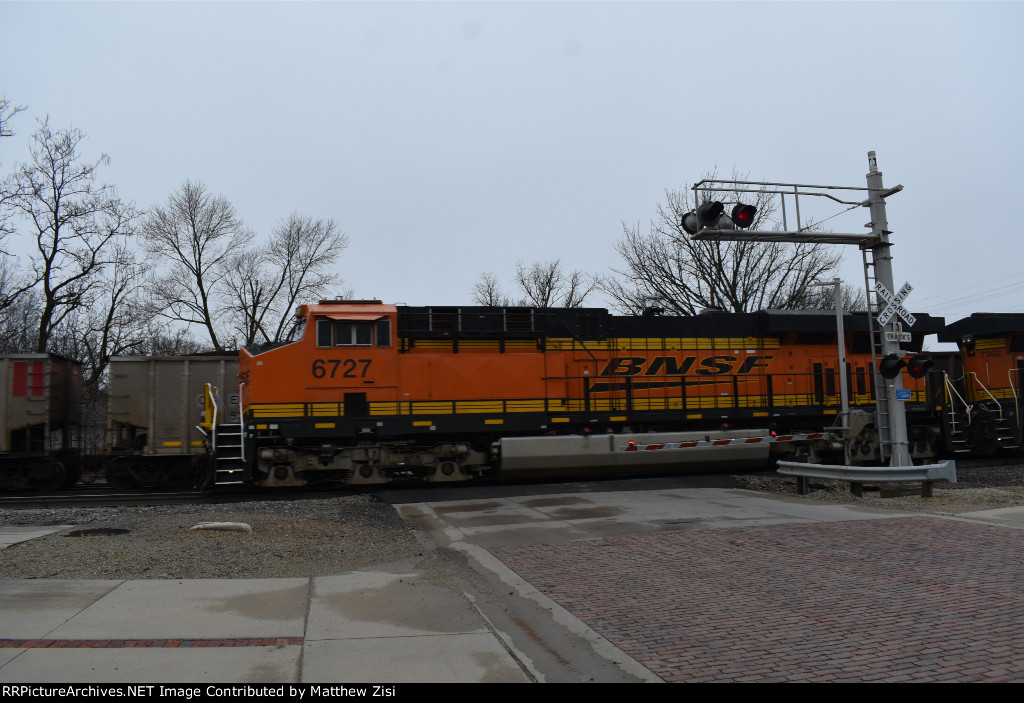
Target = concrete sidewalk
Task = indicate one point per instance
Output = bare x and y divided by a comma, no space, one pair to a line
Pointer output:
355,627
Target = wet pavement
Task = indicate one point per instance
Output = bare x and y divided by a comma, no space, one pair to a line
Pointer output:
613,582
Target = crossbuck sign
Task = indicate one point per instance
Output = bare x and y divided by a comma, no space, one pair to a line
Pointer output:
894,304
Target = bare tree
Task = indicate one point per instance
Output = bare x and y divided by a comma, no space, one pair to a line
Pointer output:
19,324
175,342
249,294
668,269
12,283
196,233
7,111
487,291
853,298
267,283
303,249
76,223
542,284
115,323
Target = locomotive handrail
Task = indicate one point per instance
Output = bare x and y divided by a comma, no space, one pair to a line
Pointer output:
1016,397
211,400
952,391
951,388
241,422
576,338
989,394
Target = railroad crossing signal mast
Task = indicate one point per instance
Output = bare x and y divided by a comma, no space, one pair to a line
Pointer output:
709,222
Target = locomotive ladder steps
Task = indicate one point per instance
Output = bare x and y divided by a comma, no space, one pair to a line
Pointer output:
229,460
1006,435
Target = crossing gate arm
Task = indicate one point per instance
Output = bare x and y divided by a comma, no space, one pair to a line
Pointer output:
709,441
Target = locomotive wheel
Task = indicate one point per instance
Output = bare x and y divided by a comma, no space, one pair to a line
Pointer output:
119,475
73,475
49,476
984,441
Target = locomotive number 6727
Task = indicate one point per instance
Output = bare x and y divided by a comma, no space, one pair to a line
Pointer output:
344,368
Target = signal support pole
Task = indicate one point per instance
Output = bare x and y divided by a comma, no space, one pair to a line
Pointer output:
890,416
882,258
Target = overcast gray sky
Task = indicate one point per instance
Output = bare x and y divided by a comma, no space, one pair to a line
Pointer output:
449,139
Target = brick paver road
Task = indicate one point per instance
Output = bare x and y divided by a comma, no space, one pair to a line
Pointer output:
902,599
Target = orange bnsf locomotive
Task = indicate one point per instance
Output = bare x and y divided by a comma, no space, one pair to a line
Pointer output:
981,413
371,393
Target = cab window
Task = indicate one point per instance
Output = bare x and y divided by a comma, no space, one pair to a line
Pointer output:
351,333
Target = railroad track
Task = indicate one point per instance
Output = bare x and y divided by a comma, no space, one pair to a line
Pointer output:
101,495
96,496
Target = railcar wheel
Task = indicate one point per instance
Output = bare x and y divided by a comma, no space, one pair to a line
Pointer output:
984,441
49,476
983,436
73,474
119,475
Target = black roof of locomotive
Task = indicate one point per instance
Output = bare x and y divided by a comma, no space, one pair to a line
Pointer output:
983,324
557,322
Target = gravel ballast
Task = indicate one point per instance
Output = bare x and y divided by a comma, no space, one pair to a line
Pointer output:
289,538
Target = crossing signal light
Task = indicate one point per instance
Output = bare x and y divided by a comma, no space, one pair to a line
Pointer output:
743,215
890,366
711,215
690,223
918,366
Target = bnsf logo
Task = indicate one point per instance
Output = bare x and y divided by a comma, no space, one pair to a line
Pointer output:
682,366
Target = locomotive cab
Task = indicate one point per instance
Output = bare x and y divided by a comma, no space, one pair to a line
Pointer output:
327,408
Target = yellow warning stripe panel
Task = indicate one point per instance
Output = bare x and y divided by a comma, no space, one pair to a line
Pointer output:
478,406
1005,393
427,408
559,405
525,406
613,344
278,410
433,344
665,343
993,343
695,343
